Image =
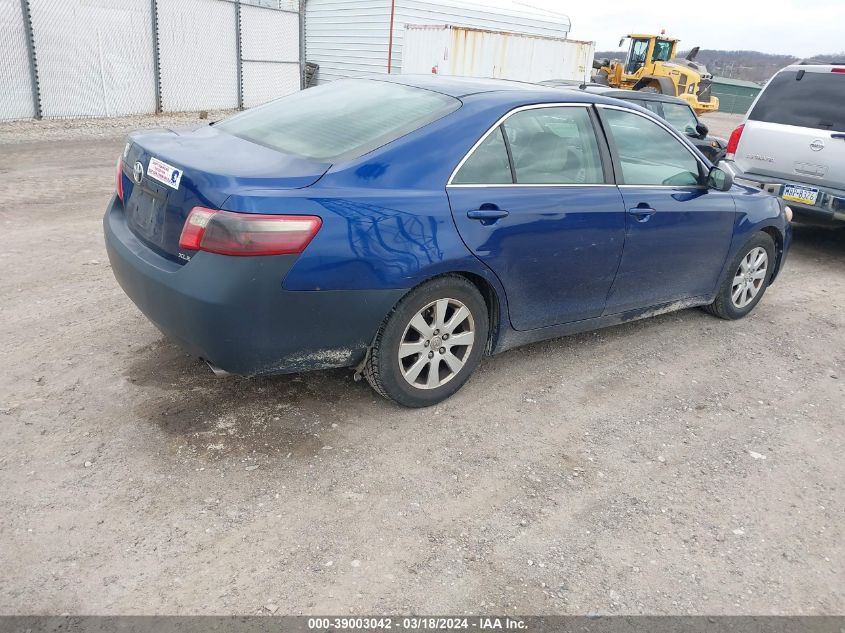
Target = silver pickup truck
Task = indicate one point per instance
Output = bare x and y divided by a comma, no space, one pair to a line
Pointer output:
792,143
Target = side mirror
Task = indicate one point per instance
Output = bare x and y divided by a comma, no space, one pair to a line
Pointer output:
702,129
719,180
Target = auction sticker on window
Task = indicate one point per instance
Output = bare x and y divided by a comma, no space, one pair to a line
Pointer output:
167,174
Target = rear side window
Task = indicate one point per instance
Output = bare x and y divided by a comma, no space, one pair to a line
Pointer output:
651,106
815,101
341,120
488,164
549,146
554,146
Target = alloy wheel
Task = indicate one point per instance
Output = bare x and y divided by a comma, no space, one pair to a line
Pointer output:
749,277
436,343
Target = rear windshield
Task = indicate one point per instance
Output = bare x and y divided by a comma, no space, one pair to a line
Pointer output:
816,100
341,120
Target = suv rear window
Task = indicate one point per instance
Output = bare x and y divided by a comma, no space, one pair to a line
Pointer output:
813,101
341,120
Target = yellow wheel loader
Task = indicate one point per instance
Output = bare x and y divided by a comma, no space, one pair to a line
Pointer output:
651,66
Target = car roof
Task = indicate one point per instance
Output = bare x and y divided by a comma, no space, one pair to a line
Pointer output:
814,67
631,95
517,92
463,86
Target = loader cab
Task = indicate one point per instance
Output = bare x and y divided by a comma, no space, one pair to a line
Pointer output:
647,49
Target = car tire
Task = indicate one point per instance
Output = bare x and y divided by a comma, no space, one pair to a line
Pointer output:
430,343
747,279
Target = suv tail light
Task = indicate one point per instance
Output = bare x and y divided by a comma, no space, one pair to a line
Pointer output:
837,70
733,142
118,179
247,234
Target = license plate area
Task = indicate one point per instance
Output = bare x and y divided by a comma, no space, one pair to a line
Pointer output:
145,213
801,194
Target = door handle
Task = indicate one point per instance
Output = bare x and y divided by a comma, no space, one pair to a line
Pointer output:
642,212
487,216
838,135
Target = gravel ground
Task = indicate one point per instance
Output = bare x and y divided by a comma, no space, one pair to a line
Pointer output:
721,123
674,465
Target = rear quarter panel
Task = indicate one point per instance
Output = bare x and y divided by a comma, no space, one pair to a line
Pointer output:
387,222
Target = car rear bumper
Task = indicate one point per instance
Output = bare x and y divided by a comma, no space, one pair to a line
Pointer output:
830,204
234,313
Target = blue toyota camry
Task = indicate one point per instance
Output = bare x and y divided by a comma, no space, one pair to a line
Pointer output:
407,226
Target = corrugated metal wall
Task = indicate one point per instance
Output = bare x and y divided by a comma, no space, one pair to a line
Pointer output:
350,38
734,99
467,52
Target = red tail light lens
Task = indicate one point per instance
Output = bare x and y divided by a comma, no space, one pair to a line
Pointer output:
837,70
247,234
733,142
118,181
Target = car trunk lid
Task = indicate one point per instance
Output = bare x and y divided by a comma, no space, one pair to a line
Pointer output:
796,128
169,172
793,153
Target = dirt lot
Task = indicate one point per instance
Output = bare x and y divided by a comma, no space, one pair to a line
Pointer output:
680,464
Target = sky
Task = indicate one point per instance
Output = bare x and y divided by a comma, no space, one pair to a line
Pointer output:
790,27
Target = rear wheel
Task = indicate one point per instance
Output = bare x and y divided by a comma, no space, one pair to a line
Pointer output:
747,280
430,343
651,88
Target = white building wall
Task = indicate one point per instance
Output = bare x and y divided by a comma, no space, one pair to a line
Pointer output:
350,38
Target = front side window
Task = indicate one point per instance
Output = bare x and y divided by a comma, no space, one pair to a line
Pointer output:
649,155
681,117
341,120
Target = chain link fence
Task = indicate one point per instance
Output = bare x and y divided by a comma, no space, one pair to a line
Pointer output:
100,58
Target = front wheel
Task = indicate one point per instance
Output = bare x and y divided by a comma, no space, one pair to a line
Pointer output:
747,279
430,344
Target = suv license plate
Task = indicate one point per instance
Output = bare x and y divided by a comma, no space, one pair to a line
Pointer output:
804,195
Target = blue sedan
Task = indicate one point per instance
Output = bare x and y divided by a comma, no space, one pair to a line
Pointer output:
407,226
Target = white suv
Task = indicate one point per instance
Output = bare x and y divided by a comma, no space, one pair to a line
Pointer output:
792,143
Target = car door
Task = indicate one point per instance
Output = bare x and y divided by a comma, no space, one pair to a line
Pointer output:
534,200
677,230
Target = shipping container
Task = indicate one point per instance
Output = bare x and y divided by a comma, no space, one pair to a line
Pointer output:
350,38
468,52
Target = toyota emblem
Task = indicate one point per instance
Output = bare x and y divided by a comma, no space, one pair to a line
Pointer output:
138,172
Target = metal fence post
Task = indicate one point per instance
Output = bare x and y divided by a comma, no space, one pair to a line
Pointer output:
156,61
240,60
303,4
33,65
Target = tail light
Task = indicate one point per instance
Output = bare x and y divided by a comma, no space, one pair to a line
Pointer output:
837,70
733,142
247,234
118,179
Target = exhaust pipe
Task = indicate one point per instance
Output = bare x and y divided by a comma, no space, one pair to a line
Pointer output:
220,373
